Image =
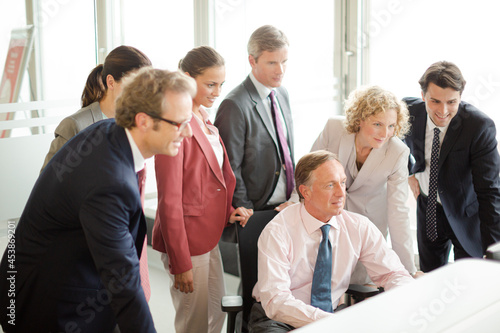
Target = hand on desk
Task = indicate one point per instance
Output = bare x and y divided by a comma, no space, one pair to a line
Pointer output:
418,274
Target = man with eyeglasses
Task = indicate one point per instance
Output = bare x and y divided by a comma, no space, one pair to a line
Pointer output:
77,244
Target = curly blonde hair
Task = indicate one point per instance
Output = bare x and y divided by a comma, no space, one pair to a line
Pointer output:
365,102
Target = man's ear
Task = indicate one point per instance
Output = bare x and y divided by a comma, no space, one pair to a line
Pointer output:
305,191
142,121
252,60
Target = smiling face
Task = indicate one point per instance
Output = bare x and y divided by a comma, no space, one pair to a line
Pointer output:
209,85
166,138
325,197
377,129
441,104
269,68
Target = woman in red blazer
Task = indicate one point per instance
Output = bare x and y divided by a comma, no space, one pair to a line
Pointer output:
195,191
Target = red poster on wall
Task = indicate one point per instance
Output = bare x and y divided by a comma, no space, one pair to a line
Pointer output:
15,65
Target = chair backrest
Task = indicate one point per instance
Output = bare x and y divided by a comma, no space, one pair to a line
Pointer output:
247,248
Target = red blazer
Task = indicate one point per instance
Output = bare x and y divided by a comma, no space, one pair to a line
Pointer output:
194,200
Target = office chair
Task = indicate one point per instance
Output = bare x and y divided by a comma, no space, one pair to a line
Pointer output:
247,238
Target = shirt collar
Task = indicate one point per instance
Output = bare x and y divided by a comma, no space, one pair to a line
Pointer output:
311,223
204,114
136,153
431,125
261,89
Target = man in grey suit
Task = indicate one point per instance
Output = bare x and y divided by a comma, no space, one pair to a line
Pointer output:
251,123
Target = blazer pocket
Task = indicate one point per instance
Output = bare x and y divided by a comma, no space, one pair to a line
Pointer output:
472,209
192,210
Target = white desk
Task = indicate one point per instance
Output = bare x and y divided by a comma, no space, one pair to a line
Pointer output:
460,297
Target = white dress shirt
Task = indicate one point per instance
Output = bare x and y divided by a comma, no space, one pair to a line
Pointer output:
423,177
379,190
288,247
136,153
213,137
279,194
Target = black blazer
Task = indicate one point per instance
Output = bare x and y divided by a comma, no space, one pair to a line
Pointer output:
78,242
468,173
251,143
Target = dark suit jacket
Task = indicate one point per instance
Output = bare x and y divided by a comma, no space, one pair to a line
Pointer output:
194,200
78,241
468,173
252,144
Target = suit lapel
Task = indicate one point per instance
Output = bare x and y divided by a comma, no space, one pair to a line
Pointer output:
346,146
261,110
372,162
96,112
418,134
451,137
207,149
287,116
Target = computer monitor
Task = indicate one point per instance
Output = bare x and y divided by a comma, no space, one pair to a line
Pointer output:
460,297
493,251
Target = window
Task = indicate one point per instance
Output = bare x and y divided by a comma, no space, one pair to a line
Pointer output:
163,30
309,78
406,37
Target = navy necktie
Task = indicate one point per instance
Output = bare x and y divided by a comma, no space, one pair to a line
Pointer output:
431,224
321,290
283,145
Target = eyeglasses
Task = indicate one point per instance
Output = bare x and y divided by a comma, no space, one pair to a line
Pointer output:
180,126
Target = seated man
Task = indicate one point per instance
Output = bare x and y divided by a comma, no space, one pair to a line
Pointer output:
301,275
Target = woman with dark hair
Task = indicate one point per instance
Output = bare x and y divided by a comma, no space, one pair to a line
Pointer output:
195,192
99,95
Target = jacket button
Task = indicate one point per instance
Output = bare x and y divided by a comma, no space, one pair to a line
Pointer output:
218,190
277,173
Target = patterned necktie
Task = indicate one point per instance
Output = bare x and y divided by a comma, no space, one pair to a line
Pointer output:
431,225
284,150
321,290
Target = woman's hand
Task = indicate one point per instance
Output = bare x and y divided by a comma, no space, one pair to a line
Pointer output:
241,214
414,186
184,282
284,205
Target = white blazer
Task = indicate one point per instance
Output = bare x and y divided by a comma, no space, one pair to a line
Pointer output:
380,190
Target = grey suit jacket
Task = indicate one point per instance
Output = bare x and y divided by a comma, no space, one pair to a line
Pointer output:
251,143
71,126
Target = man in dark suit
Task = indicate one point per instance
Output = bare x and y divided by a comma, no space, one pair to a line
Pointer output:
249,127
459,202
73,264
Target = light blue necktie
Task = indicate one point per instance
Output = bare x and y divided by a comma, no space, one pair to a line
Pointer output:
321,291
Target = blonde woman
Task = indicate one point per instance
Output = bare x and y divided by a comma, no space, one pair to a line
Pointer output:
368,144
